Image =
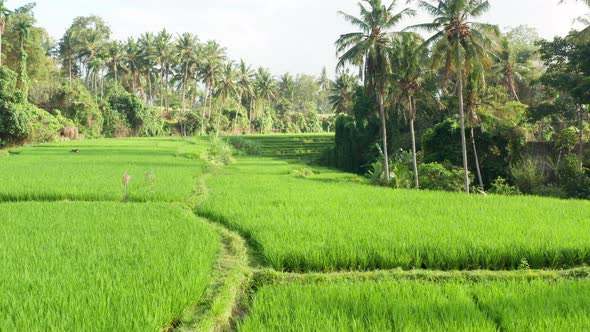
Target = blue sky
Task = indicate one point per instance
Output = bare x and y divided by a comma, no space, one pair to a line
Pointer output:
283,35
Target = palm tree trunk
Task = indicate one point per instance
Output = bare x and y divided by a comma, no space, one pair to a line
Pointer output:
250,115
219,117
384,134
1,46
413,132
462,119
237,114
476,158
581,138
204,111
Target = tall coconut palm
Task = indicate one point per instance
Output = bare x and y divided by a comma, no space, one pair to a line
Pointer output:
165,57
212,58
475,86
227,88
147,62
507,69
367,49
132,59
410,63
4,16
342,92
187,47
23,28
287,87
457,38
266,91
245,88
115,60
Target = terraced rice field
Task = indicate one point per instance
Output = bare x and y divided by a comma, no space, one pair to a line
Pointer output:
335,222
75,256
76,266
511,306
300,147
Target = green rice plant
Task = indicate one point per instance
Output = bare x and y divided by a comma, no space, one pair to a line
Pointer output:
511,306
365,306
537,305
326,222
101,266
51,172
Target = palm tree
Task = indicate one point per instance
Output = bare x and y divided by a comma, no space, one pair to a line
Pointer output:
212,58
245,88
456,39
227,88
187,47
147,62
367,49
116,60
23,28
4,16
287,88
132,59
324,81
164,56
342,92
508,69
266,90
475,86
409,59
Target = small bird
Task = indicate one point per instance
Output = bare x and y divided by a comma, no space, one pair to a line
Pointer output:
76,151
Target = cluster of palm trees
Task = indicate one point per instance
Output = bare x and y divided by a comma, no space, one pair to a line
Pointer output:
398,61
159,66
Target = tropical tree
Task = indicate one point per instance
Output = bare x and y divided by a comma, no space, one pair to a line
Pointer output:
212,59
23,28
147,62
187,48
116,60
165,58
458,38
367,50
266,90
227,89
246,89
410,61
342,92
132,57
4,16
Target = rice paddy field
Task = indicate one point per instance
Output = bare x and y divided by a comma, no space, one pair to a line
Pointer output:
329,221
422,306
100,266
161,169
76,256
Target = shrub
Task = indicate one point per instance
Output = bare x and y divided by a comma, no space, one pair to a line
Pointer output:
501,187
527,176
219,152
575,184
248,147
435,176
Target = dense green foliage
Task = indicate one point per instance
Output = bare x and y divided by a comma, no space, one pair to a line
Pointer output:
101,266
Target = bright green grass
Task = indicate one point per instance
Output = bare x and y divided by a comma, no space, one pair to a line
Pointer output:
513,306
100,266
327,222
52,172
537,306
368,306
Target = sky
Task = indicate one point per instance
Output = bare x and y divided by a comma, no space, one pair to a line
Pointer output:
294,36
